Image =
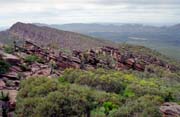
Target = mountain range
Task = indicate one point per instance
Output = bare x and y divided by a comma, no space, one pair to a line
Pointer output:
165,39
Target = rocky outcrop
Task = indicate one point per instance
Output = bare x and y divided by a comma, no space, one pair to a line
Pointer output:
14,60
170,110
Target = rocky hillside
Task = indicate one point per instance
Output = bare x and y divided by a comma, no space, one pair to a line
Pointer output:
95,79
50,37
165,39
118,77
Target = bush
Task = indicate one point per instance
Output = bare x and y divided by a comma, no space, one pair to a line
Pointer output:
9,49
4,96
99,79
4,66
32,58
48,97
145,106
97,93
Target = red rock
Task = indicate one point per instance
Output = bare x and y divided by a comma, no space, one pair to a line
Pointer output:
76,60
11,75
170,109
10,58
76,65
15,69
130,62
43,72
121,66
2,85
139,67
12,105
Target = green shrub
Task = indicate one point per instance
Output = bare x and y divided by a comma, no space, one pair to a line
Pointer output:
109,106
4,96
109,81
32,58
145,106
9,49
49,97
97,93
4,66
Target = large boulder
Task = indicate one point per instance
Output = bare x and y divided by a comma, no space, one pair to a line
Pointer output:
170,109
14,60
139,67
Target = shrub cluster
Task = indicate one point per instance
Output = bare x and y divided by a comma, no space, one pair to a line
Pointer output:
4,66
46,97
95,93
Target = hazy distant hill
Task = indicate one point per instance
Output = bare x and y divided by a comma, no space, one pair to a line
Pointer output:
117,32
49,36
164,39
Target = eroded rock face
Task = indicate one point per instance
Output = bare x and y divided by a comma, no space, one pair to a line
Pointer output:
170,109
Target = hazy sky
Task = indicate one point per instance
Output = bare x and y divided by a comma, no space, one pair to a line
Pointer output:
88,11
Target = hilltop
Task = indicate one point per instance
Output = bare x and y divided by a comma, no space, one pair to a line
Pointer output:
45,36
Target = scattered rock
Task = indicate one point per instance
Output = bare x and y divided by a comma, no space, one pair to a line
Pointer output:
15,69
43,72
130,62
11,75
139,67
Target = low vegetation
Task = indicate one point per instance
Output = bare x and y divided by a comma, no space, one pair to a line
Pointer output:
94,93
47,97
9,49
32,58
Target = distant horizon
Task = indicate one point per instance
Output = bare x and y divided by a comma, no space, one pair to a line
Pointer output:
106,23
158,12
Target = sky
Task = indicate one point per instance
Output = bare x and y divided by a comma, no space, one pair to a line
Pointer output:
89,11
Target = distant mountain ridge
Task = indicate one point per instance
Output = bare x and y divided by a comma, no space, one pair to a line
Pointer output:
54,37
165,39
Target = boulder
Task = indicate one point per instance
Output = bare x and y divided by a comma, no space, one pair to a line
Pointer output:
170,109
43,72
130,62
14,60
121,66
15,69
2,84
11,75
76,60
34,69
139,67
